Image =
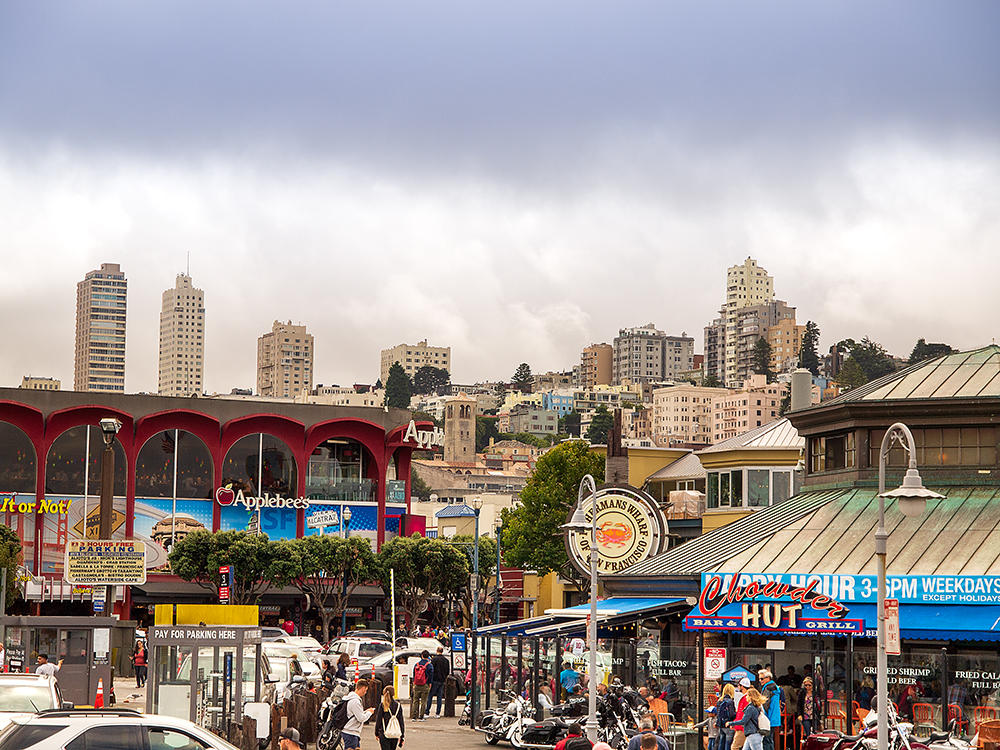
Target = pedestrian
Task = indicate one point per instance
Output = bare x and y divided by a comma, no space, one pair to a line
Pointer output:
441,671
713,728
47,667
739,737
140,659
423,675
288,626
289,739
805,707
569,678
772,707
343,662
725,712
574,739
648,727
389,726
357,715
750,719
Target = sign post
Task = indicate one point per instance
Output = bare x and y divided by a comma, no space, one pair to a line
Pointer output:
892,640
225,583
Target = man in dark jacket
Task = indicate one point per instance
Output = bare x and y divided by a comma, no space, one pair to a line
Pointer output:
441,670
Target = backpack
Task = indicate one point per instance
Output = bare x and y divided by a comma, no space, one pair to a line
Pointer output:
578,743
725,711
339,718
420,673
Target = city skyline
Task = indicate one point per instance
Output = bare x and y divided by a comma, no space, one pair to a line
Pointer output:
513,181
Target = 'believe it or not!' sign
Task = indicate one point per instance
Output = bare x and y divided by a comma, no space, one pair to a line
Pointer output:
715,663
105,562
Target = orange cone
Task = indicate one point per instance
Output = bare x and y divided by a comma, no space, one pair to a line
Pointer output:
357,671
99,700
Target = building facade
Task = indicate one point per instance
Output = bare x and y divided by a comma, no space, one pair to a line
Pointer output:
756,404
532,420
785,339
40,384
754,323
285,361
596,365
682,415
414,356
646,353
182,340
99,357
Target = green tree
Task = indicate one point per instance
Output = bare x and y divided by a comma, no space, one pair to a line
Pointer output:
851,375
711,381
418,487
570,424
487,566
501,395
522,378
319,566
199,555
602,421
486,429
872,358
532,538
808,356
762,358
398,388
424,568
430,379
11,556
922,350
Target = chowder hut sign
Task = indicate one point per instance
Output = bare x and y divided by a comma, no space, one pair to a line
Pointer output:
630,528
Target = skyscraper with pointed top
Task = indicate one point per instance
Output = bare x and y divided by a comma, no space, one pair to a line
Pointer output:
182,339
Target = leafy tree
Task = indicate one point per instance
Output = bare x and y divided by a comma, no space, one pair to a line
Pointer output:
808,356
527,438
11,556
319,566
398,388
570,424
378,384
522,378
872,358
424,568
711,381
199,555
762,358
501,395
602,421
486,429
922,350
532,538
487,567
418,487
430,379
851,375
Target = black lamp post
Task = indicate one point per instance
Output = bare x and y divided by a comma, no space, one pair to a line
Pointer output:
109,428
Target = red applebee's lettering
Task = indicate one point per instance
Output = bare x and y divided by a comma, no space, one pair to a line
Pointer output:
713,597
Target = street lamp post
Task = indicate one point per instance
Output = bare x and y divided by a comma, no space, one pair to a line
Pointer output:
109,428
912,498
477,505
497,526
345,517
578,523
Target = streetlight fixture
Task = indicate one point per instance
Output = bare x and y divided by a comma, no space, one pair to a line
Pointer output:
497,526
912,499
579,524
477,506
345,517
109,428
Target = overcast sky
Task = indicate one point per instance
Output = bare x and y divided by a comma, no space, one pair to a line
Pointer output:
516,180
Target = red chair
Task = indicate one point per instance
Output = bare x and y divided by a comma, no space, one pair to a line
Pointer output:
789,730
923,718
836,718
955,714
981,714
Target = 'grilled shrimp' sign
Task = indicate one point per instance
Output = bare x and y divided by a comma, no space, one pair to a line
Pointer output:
630,528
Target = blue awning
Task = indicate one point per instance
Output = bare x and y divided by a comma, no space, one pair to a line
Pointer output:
574,619
945,622
617,606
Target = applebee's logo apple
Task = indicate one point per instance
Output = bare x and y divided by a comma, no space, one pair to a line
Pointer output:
225,495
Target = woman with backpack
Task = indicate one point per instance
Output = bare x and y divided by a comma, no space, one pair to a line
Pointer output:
751,720
725,712
389,726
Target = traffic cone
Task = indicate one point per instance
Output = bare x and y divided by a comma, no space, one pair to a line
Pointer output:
357,671
99,700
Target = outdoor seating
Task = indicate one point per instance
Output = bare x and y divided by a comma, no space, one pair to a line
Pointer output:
836,718
982,714
955,715
989,734
923,719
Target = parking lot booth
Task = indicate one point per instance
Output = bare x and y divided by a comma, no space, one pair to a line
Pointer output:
91,649
210,675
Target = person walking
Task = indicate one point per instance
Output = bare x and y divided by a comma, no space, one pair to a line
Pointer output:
389,727
806,707
140,660
739,737
357,715
725,712
423,675
289,739
772,707
647,726
441,671
343,662
749,722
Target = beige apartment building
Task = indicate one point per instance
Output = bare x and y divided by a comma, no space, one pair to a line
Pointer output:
32,383
682,414
756,404
99,357
182,340
285,361
646,353
785,339
595,365
414,356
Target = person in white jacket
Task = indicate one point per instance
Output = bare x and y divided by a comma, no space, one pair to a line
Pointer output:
357,715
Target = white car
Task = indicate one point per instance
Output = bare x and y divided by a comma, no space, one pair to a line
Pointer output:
303,645
28,693
106,728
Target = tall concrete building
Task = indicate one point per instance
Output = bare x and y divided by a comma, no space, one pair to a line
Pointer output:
596,365
182,340
746,285
682,414
754,323
99,358
646,353
414,356
285,361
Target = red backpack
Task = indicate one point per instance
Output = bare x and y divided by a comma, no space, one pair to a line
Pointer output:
420,674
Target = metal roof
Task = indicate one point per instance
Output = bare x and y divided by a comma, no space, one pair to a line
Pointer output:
685,467
834,532
974,374
777,434
455,511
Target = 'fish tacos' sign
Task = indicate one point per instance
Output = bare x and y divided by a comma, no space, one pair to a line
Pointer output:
630,528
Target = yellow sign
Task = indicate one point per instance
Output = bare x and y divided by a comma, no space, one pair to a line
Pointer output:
105,562
94,523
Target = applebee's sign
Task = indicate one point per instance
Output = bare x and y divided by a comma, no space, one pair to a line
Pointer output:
423,438
227,496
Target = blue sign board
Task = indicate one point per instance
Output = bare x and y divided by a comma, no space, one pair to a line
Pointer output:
458,641
736,674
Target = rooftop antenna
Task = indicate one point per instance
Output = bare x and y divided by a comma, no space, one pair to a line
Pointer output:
189,264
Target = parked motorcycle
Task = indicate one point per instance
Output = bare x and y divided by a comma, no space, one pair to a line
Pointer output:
899,736
506,722
328,737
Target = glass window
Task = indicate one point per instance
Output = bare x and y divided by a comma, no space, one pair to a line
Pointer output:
833,452
737,482
724,496
758,487
108,737
712,499
23,736
67,471
154,475
276,465
17,460
161,738
781,486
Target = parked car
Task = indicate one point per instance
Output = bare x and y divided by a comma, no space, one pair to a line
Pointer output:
358,649
419,644
380,666
117,727
28,693
272,634
370,634
304,645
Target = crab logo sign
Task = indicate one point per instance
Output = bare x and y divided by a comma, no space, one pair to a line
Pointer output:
630,528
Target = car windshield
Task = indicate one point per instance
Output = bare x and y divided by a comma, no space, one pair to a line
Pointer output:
30,698
382,659
22,736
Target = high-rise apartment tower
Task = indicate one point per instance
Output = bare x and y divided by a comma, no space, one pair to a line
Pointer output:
99,358
285,361
182,340
647,354
414,356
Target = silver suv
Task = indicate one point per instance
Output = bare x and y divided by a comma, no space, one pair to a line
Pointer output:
28,693
109,729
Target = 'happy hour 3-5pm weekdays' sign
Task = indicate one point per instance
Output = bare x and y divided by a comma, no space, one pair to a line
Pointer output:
105,562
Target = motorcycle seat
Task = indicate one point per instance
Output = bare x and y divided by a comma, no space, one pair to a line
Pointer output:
938,737
848,737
